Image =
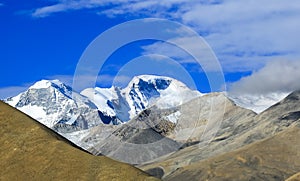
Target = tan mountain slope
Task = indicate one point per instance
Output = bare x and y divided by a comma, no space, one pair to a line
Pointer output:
211,114
239,128
275,158
30,151
295,177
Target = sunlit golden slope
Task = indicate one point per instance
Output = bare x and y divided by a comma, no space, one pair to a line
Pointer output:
30,151
295,177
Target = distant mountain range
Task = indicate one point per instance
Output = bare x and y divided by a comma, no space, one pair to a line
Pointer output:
160,125
55,104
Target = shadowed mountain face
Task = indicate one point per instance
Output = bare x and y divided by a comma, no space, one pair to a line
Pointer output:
157,132
138,141
30,151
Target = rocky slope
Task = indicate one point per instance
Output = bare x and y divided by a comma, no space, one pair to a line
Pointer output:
275,158
31,151
137,141
240,128
158,132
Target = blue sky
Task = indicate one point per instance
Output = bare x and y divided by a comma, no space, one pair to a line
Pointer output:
255,41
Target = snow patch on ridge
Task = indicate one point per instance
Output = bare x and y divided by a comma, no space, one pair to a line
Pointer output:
174,117
101,98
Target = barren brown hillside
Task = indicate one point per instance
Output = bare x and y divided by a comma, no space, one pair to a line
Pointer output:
30,151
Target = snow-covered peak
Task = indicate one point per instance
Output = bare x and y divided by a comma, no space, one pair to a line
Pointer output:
142,92
155,81
153,85
148,78
43,84
53,103
165,92
54,85
102,98
257,102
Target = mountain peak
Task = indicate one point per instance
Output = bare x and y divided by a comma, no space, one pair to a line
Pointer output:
160,82
47,83
143,91
147,77
157,82
55,105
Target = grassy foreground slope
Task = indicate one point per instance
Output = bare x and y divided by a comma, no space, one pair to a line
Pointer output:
30,151
275,158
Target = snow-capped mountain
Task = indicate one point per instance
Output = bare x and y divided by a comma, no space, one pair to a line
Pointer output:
55,105
257,102
142,92
51,103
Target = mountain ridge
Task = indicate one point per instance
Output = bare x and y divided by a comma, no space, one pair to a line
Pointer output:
57,106
31,151
278,118
186,132
141,92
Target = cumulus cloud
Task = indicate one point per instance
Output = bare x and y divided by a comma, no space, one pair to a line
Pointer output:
116,7
275,77
191,47
243,34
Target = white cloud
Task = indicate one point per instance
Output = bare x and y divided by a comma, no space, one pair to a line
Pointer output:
191,47
247,31
243,34
46,11
68,5
275,77
116,7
